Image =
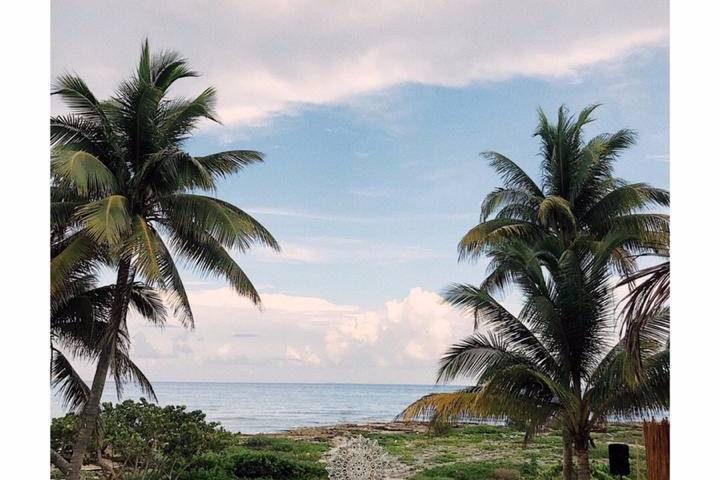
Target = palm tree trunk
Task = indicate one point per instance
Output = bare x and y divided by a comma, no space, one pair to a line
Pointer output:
59,461
583,463
567,456
91,410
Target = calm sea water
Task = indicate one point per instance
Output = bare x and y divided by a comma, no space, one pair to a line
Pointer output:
273,407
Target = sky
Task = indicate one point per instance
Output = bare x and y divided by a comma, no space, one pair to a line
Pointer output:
371,116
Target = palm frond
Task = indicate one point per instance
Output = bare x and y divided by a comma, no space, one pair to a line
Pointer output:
230,226
76,95
174,286
66,382
125,371
208,256
106,220
493,232
82,172
512,175
227,163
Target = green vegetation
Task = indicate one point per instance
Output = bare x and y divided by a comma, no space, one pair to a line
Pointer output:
466,452
125,195
244,463
142,438
497,452
559,244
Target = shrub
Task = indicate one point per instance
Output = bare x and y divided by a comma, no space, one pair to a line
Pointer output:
272,466
147,438
247,464
62,434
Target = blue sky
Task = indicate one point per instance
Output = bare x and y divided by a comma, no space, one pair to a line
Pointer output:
403,178
372,171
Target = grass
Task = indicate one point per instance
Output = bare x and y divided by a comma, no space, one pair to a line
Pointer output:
496,452
462,453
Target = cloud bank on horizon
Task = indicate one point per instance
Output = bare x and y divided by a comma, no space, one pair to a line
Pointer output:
300,337
271,57
368,224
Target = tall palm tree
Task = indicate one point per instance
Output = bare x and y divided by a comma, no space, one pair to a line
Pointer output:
578,195
578,205
552,361
126,193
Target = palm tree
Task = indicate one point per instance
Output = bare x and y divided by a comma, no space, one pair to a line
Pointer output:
79,311
577,195
578,203
125,192
552,360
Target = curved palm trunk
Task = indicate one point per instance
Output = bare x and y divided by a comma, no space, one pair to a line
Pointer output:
60,462
91,410
567,456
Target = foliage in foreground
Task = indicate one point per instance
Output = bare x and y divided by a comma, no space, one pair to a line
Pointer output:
478,452
497,453
144,437
242,463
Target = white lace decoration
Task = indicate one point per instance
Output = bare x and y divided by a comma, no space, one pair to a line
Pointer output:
358,458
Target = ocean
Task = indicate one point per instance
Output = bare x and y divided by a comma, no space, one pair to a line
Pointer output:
274,407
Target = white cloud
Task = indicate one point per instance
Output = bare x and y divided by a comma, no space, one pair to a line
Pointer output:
142,348
303,355
362,329
414,330
305,338
301,338
273,56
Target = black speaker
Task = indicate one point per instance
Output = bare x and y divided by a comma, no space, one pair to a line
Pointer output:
619,454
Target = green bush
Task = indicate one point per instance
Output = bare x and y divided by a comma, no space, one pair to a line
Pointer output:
146,438
271,465
247,464
149,436
62,434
